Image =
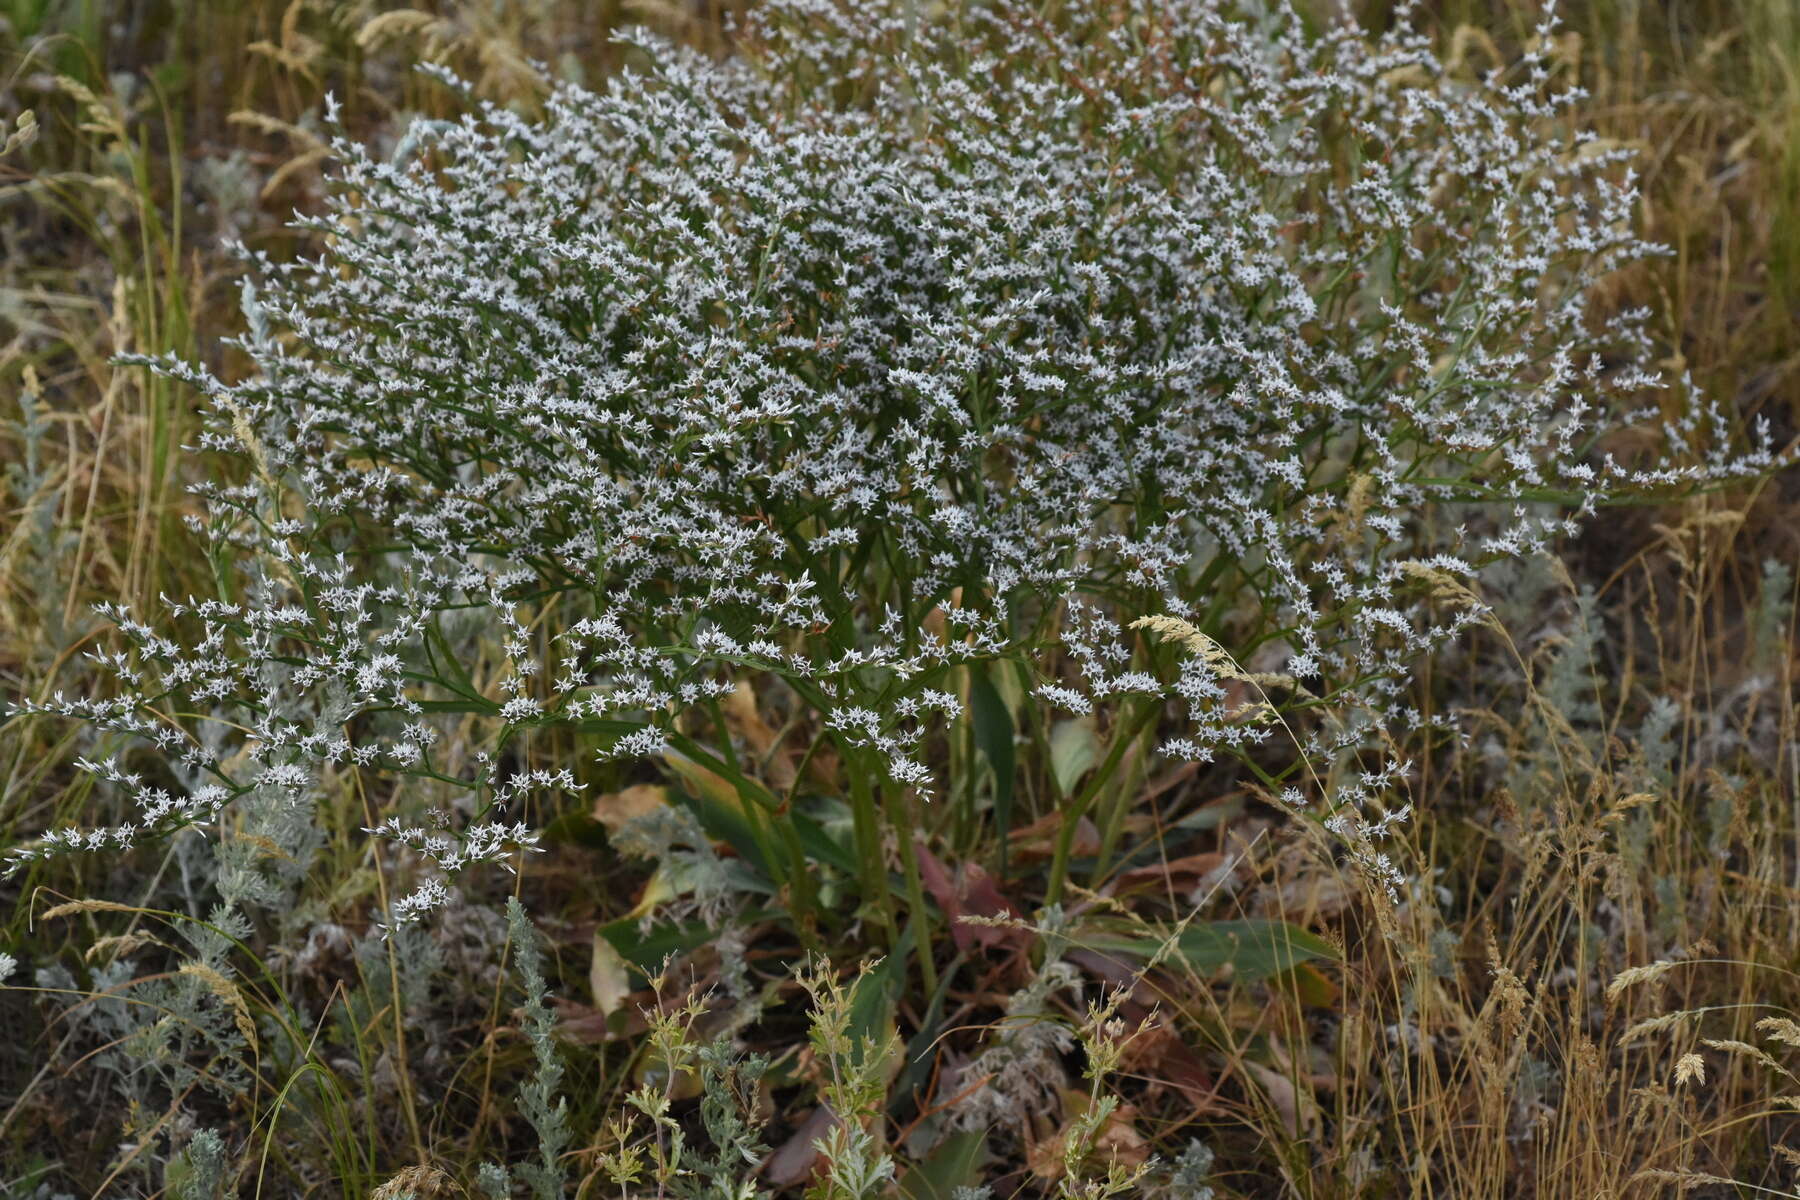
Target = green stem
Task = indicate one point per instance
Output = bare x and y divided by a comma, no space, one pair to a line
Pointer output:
1112,826
867,825
1077,808
899,806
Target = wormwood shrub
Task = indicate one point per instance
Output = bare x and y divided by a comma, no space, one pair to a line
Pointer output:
1168,369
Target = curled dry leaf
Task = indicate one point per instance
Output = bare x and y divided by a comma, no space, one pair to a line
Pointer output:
1117,1143
1296,1107
1178,875
1038,839
608,976
798,1157
615,809
970,892
746,722
1159,1057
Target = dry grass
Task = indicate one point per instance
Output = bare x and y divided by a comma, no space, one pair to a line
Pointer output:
1591,990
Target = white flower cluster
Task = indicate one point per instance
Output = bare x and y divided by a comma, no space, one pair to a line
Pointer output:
889,346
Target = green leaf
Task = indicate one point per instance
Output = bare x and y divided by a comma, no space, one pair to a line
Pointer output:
1253,949
1074,749
915,1076
874,997
701,762
605,727
725,821
733,807
820,846
994,738
575,829
647,950
952,1165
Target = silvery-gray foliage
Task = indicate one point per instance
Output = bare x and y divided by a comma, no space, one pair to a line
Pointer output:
890,346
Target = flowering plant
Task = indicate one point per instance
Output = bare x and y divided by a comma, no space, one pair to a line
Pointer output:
1166,366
